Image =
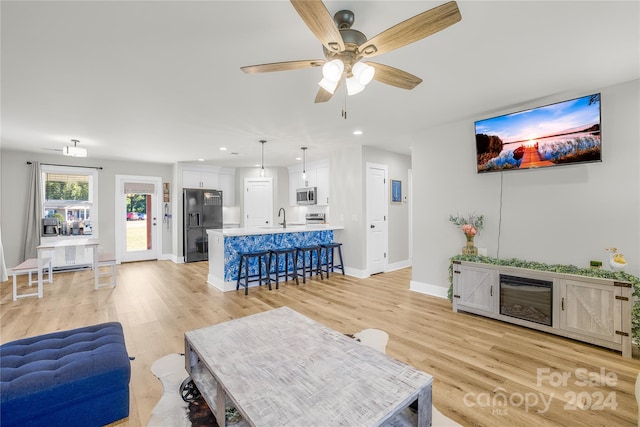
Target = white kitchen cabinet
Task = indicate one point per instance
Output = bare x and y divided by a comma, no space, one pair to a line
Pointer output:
310,179
322,183
200,179
227,180
475,288
295,182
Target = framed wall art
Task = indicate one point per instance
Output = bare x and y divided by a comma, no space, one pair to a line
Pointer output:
396,191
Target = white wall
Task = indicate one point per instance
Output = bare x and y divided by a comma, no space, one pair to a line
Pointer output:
563,215
346,197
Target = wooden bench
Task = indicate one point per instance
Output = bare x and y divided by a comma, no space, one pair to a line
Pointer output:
107,260
30,266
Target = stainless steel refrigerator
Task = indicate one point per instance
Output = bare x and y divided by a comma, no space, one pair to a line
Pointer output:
202,210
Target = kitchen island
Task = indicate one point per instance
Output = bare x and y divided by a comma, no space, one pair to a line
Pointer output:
226,243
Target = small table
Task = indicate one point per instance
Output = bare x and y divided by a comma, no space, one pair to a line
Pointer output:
45,255
282,368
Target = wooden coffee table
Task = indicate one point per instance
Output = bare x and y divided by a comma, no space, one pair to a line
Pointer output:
282,368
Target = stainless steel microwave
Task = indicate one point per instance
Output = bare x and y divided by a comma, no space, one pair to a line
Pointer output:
306,196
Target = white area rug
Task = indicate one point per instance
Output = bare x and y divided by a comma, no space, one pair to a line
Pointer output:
171,410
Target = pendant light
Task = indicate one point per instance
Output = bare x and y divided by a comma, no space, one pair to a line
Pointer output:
304,163
262,141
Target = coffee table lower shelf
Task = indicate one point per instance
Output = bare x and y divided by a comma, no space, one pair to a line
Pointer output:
208,388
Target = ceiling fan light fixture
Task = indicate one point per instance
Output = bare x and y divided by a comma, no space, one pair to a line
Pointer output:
332,70
328,85
74,151
363,72
353,86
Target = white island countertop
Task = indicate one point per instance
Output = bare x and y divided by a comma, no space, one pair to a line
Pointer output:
275,229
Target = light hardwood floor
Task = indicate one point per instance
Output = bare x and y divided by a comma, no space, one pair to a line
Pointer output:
474,360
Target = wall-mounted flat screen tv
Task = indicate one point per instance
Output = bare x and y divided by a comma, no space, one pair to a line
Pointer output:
558,134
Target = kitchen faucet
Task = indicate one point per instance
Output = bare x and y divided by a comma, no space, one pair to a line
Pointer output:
284,220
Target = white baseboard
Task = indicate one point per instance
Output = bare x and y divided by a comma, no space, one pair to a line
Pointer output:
398,265
360,274
168,257
425,288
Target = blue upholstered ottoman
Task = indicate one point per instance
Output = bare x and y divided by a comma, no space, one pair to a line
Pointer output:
70,378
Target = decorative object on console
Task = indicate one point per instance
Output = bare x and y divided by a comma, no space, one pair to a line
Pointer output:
470,226
616,260
595,264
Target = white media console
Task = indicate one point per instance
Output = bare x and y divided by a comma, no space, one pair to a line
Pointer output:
588,309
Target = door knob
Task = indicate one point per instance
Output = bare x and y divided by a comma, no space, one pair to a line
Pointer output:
373,226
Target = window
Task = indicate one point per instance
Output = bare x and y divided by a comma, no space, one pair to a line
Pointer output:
70,194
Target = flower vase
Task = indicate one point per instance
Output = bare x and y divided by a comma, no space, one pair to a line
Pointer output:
469,249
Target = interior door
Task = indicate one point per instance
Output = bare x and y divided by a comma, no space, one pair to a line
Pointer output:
377,229
258,202
138,206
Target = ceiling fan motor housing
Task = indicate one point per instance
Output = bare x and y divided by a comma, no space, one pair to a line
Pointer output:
344,19
352,39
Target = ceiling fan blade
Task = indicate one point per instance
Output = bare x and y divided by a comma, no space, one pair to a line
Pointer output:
394,77
324,96
282,66
315,14
412,30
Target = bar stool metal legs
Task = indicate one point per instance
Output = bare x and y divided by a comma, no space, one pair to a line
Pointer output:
245,258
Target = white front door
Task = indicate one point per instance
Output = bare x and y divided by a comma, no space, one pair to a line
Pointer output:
138,213
377,198
258,202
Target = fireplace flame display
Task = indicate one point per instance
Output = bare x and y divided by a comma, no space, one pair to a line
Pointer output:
526,298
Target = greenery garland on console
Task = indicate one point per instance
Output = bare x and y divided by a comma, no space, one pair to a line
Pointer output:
564,269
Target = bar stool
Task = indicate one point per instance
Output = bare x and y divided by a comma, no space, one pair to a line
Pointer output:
289,254
304,250
245,259
329,257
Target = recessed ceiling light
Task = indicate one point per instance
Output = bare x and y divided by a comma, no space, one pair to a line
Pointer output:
298,158
357,132
223,148
201,160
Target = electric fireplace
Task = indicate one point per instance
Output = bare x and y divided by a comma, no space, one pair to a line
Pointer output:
527,299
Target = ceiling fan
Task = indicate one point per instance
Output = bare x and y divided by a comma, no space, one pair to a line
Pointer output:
345,48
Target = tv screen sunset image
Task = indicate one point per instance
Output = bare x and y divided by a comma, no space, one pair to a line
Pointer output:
556,134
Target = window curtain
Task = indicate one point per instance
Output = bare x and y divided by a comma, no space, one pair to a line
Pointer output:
34,213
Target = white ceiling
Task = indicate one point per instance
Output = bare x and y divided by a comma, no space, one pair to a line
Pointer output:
160,81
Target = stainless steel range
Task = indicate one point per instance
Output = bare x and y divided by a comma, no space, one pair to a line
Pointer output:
315,218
